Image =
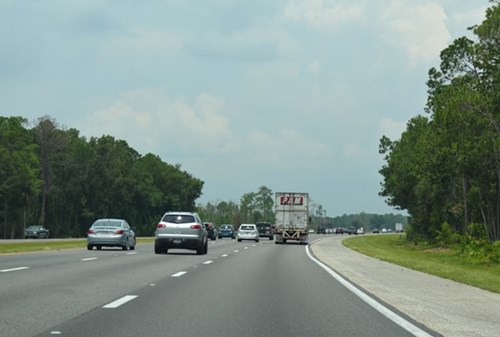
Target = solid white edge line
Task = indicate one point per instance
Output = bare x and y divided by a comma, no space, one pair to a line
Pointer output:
208,262
14,269
411,328
118,302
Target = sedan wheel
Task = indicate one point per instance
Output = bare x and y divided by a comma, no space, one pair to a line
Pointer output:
89,247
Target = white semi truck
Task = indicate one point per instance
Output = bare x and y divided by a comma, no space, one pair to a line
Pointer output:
291,217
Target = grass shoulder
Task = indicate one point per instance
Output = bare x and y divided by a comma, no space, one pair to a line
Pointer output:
446,263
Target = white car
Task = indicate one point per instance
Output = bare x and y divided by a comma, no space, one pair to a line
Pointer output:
248,232
360,231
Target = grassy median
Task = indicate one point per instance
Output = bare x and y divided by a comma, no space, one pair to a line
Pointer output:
49,245
446,263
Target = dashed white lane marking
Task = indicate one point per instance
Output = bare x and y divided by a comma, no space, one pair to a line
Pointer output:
56,333
132,253
179,274
236,251
121,301
208,262
245,248
89,259
408,326
224,255
14,269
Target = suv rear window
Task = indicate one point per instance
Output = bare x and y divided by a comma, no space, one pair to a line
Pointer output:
178,218
247,228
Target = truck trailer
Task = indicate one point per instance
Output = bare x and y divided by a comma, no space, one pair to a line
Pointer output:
291,217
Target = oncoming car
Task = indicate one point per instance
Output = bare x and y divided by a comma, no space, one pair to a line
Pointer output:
36,232
110,233
183,230
248,232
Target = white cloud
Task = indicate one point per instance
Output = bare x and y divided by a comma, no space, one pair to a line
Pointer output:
421,30
459,21
390,128
313,68
153,121
284,149
354,150
317,14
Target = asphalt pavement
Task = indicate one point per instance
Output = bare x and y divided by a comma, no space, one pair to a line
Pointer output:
447,307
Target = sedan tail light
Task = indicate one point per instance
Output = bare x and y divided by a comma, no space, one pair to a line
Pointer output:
196,226
119,231
90,231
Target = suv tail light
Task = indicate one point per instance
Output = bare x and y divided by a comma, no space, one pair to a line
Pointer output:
196,226
161,225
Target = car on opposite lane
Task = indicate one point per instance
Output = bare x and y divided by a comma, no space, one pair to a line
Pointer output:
183,230
36,232
248,232
111,233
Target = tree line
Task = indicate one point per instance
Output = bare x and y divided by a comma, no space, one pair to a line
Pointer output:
445,168
56,178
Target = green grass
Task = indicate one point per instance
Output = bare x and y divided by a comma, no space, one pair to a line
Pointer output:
446,263
49,245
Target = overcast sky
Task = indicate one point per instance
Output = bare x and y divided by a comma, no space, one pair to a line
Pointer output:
290,94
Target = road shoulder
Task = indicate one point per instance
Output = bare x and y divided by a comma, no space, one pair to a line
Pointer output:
447,307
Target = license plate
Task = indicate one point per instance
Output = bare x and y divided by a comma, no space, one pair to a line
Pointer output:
177,241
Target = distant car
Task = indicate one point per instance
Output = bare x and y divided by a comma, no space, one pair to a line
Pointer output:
248,232
226,231
360,231
351,230
265,230
376,231
211,230
321,230
36,232
182,230
339,230
110,233
384,230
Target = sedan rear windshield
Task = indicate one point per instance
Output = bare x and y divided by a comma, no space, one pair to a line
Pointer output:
247,228
108,223
178,218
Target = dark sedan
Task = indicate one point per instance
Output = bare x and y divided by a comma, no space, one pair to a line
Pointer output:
36,232
211,230
227,231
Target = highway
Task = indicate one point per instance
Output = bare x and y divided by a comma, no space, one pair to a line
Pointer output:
237,289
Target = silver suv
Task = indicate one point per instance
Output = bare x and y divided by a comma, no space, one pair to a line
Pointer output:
183,230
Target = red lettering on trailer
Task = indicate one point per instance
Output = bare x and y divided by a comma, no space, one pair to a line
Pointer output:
291,200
